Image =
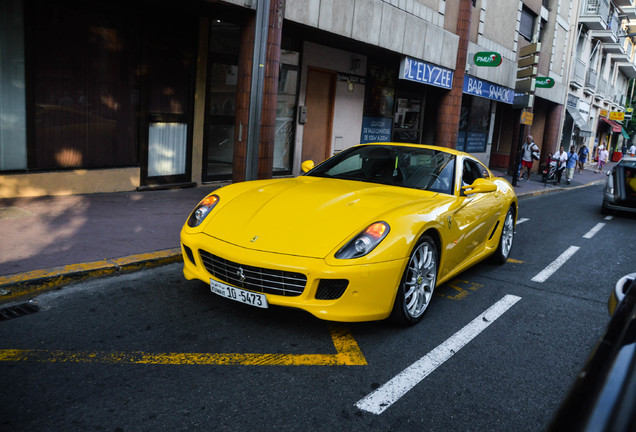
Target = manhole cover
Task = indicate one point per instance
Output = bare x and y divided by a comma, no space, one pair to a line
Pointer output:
14,213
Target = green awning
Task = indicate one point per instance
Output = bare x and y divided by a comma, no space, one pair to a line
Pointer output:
624,133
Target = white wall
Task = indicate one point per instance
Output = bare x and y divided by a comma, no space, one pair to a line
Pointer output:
348,107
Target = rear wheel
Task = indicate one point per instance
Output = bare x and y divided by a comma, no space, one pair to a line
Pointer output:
505,241
418,283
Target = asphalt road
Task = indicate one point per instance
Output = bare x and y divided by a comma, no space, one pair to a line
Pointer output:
497,350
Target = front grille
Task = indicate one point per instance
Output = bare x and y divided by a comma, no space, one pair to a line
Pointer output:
331,289
258,279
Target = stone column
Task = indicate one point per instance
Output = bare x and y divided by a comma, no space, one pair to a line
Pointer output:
451,103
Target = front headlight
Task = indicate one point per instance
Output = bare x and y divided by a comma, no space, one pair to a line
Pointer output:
364,242
202,210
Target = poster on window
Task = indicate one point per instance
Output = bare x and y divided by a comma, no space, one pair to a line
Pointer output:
376,129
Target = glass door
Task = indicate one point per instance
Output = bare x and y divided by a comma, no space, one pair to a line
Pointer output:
220,107
168,70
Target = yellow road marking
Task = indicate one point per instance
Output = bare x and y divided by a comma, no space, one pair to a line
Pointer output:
460,288
514,261
347,354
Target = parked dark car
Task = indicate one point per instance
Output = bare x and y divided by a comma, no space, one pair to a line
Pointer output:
620,188
603,396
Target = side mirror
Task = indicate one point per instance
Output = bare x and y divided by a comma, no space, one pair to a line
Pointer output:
481,185
307,166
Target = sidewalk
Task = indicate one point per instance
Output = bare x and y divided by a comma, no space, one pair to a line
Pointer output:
50,241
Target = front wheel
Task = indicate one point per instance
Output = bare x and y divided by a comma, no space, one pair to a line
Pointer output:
418,283
505,241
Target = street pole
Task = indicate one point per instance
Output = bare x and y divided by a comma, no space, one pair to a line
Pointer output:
256,91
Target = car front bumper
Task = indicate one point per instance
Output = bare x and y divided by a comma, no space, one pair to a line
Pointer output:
369,295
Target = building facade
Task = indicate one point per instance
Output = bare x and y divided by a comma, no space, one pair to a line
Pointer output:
101,97
602,67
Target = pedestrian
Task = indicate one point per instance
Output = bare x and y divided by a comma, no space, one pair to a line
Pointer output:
624,148
570,165
529,151
602,159
632,150
583,152
560,157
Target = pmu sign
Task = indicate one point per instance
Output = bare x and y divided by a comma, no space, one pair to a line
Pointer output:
487,58
544,82
425,73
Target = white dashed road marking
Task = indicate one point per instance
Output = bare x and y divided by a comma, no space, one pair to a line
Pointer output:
386,395
555,265
594,230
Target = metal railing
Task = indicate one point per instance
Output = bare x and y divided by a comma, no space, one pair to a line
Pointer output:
591,78
602,87
578,72
597,7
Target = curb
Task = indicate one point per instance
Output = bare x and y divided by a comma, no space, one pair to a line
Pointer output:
545,190
25,286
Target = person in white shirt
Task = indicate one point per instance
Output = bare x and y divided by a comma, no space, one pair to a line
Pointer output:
561,156
602,159
632,150
526,161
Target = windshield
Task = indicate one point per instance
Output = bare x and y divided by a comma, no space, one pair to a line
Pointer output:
412,167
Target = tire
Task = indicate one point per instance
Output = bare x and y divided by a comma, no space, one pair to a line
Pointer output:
418,283
505,240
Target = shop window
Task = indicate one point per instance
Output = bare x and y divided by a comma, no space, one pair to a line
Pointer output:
13,150
221,100
406,126
285,111
474,124
379,100
84,87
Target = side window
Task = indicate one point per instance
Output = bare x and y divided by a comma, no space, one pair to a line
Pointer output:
483,170
472,171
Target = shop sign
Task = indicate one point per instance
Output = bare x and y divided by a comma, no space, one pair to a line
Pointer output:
425,73
544,82
526,118
481,88
356,79
488,59
376,129
617,115
604,113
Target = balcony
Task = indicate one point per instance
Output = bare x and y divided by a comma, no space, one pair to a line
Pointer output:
594,14
627,68
590,82
578,74
601,90
623,3
608,37
629,12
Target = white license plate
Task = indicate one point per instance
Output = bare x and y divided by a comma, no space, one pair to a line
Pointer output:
238,294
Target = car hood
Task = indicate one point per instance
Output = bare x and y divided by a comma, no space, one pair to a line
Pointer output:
304,216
